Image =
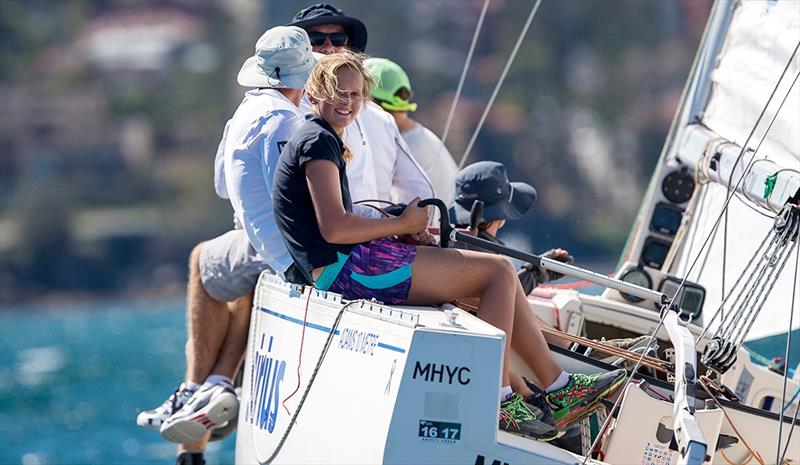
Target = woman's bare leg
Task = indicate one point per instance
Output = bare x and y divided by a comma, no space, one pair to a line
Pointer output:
491,278
529,342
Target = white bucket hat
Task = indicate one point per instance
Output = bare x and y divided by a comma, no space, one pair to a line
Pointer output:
283,59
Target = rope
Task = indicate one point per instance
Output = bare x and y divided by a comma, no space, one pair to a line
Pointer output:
749,458
730,196
703,380
721,307
463,76
768,265
299,356
776,273
499,83
629,378
378,209
310,382
766,132
791,399
648,361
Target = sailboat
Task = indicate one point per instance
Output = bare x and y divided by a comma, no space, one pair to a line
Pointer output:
711,262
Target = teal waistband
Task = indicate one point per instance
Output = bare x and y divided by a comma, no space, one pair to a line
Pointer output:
330,272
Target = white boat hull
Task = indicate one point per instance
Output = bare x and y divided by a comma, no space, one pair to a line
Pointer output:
415,385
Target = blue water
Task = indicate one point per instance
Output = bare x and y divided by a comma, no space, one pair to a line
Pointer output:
73,378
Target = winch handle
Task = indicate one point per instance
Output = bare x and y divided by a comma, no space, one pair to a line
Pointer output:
444,220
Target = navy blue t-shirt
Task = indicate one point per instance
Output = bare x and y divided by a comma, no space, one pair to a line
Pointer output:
294,210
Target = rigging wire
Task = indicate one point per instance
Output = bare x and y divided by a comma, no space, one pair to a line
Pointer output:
664,310
463,77
786,363
721,307
753,453
732,192
758,121
729,196
497,86
791,429
754,160
628,380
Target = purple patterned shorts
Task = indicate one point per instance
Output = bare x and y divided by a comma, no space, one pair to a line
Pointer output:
379,269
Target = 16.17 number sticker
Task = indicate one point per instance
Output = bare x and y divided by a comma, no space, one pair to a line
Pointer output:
438,431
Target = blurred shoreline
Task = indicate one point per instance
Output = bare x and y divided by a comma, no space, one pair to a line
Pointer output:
60,300
113,111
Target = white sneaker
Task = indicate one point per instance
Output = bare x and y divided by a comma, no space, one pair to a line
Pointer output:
210,407
153,419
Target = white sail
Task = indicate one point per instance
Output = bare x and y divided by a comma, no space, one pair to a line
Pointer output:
761,41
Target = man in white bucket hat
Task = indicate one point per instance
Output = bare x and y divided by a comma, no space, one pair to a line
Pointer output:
224,270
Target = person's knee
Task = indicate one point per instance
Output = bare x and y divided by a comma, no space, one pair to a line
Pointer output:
502,268
194,259
242,304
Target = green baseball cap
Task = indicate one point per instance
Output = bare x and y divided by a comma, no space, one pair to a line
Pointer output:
389,77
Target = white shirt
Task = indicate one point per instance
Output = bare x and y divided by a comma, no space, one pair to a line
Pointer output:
435,159
399,177
245,165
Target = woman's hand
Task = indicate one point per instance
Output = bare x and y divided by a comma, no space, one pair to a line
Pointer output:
414,218
424,238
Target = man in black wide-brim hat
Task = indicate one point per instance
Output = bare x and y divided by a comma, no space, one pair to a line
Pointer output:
328,26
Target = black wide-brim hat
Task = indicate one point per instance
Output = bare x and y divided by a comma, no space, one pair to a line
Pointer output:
325,13
487,181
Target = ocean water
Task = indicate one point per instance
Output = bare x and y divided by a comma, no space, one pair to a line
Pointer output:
73,378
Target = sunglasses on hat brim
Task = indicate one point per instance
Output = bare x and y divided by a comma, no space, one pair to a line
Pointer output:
337,39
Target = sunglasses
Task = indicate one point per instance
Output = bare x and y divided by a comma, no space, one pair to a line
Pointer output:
337,38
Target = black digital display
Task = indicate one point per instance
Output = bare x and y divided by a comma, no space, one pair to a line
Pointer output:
691,297
655,252
666,219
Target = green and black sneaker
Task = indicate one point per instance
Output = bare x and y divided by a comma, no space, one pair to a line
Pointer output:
582,394
518,417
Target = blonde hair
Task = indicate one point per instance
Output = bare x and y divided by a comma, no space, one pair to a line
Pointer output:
322,83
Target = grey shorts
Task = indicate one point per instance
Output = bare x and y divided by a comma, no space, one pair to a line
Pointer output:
229,266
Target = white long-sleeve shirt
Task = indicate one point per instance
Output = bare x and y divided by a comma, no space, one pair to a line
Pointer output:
435,159
393,159
244,167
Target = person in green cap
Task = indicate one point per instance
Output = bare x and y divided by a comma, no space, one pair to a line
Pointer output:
393,93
